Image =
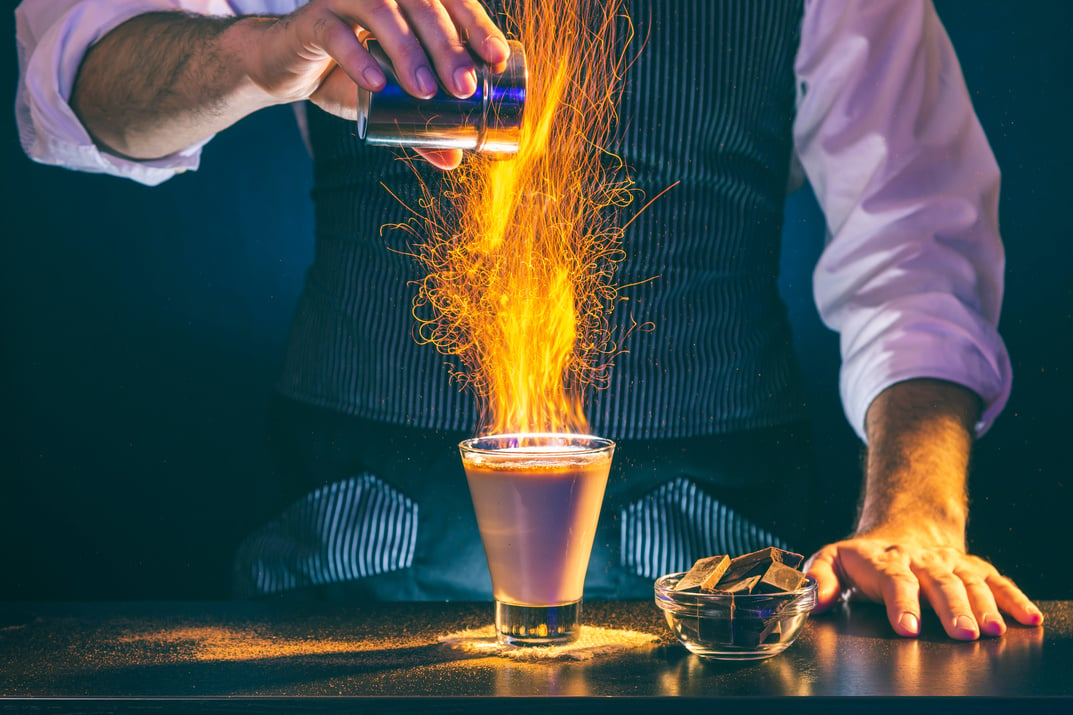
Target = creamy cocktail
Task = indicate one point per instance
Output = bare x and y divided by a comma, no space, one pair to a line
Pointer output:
537,498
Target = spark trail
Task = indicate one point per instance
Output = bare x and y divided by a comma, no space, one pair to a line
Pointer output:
520,254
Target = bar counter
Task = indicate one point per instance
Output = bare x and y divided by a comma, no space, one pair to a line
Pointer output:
269,656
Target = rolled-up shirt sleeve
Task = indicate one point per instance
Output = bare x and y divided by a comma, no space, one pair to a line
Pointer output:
912,273
52,37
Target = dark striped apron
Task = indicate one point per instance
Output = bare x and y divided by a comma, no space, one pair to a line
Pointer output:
709,103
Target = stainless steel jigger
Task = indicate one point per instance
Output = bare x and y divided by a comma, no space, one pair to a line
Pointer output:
490,121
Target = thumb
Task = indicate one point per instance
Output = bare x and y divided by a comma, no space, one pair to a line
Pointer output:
822,567
443,159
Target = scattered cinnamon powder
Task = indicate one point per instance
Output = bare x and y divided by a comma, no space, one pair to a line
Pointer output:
591,643
213,643
219,644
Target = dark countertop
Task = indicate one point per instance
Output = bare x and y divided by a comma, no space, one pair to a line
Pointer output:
269,656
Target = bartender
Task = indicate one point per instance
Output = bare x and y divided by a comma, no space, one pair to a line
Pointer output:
732,100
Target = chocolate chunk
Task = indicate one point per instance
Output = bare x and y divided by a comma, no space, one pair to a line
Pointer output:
714,630
748,571
772,632
741,585
742,569
789,558
778,578
705,574
771,554
747,632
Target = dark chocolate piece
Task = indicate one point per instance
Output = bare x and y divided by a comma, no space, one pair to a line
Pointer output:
772,632
711,630
741,585
705,574
757,564
789,558
779,578
772,554
742,569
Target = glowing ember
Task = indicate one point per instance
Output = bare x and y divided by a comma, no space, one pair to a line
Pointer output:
521,253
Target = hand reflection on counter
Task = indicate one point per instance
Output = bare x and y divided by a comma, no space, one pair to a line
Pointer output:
930,665
836,654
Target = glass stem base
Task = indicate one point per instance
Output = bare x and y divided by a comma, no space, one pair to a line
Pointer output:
537,625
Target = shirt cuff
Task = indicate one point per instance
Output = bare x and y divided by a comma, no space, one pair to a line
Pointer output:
925,336
49,130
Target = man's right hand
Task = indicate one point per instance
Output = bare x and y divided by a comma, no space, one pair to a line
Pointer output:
314,53
164,81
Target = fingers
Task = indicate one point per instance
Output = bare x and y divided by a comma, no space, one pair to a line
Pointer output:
1013,601
334,26
822,567
337,38
485,38
883,572
967,593
949,598
900,590
985,612
419,35
423,39
972,595
445,159
884,575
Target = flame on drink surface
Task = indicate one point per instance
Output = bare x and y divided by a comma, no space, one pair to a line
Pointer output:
521,253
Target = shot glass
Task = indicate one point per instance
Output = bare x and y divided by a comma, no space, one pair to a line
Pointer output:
537,498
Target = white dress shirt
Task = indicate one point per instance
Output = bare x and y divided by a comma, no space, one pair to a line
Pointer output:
912,273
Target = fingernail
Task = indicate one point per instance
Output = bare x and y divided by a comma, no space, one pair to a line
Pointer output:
992,625
1036,614
465,82
496,49
965,627
426,81
909,623
373,77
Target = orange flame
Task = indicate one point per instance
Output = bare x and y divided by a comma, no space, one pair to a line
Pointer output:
520,267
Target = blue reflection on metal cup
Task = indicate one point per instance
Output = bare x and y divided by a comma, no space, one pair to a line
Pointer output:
490,121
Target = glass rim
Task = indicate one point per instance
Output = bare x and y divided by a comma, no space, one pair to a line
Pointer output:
589,444
665,592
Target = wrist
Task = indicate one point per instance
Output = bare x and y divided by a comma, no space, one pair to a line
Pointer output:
918,456
246,42
916,529
932,502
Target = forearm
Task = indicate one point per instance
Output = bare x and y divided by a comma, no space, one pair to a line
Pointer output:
910,543
164,81
920,437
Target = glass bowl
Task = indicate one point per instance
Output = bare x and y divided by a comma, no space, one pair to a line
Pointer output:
723,626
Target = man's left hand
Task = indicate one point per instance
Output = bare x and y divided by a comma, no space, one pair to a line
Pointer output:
967,593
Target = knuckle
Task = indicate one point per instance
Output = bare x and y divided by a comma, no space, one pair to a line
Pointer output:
972,580
944,580
896,572
894,554
936,560
379,11
421,6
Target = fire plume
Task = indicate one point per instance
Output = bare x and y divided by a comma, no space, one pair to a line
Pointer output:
520,253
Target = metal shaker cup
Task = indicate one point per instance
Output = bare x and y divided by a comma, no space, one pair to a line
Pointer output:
489,121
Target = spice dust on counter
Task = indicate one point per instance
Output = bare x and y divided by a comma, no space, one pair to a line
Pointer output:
218,644
592,642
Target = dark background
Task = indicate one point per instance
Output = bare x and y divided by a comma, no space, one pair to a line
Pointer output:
142,330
